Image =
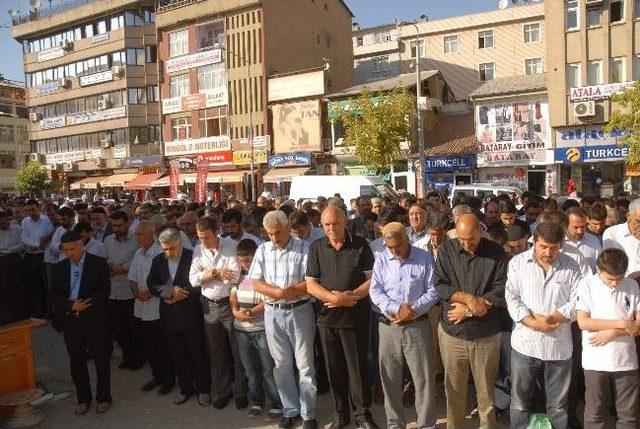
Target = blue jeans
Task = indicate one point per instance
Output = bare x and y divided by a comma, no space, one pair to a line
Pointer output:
525,371
290,336
258,364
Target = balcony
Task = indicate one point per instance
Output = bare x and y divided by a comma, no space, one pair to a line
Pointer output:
38,14
165,5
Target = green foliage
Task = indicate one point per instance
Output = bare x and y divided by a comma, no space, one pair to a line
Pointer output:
375,124
627,120
31,179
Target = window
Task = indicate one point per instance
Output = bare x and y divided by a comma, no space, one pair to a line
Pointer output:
383,37
178,43
636,9
132,19
419,52
136,57
451,44
179,85
210,34
181,128
213,122
380,64
118,59
151,54
154,133
485,39
6,133
594,72
533,66
116,22
88,30
617,70
573,75
153,94
149,15
101,27
139,135
212,77
636,67
594,16
137,95
486,71
572,21
359,41
616,10
532,33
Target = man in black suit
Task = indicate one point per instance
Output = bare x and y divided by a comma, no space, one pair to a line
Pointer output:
80,292
181,314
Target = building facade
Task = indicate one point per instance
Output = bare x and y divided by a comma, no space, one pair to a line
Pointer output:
14,133
92,88
593,50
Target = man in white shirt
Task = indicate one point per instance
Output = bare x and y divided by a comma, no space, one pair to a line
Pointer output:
100,223
66,222
231,223
91,245
11,265
626,236
303,229
36,233
215,270
540,294
577,236
10,236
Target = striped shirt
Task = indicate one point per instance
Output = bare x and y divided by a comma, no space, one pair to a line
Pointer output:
138,272
247,299
529,291
281,267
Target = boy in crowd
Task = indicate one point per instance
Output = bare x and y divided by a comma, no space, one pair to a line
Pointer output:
608,312
248,308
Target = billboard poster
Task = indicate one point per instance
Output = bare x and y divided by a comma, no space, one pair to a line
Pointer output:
297,127
243,157
201,184
174,179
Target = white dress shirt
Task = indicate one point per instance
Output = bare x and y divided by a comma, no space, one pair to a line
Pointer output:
95,247
377,246
11,240
205,260
590,248
33,230
314,234
620,237
528,291
54,244
138,272
247,236
120,253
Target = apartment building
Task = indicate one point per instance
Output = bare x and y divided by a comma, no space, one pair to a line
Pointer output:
91,86
14,134
593,51
468,49
215,58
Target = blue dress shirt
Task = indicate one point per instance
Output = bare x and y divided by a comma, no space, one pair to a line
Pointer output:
76,278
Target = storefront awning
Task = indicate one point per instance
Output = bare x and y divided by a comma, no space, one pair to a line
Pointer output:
162,182
118,180
88,183
142,181
278,175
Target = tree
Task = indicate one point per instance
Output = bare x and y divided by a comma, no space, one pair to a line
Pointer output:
626,120
376,124
32,179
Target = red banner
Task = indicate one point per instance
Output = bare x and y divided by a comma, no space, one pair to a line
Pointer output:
201,184
214,159
193,102
174,179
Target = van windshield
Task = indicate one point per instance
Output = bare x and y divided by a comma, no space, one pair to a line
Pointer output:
379,190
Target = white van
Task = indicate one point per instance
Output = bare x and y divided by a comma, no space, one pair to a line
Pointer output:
349,187
476,189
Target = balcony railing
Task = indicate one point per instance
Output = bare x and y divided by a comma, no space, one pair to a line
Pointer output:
38,14
165,5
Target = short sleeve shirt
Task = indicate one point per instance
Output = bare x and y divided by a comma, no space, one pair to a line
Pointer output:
341,270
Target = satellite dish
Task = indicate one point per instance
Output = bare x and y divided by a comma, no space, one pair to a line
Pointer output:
503,4
35,3
12,12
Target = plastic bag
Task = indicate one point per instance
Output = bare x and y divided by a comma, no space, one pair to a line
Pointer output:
539,421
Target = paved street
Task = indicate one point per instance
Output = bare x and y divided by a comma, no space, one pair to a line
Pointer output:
134,409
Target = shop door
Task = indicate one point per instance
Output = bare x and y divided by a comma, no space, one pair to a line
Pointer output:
536,181
463,179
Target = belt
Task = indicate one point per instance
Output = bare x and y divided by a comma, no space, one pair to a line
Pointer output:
383,319
288,305
220,301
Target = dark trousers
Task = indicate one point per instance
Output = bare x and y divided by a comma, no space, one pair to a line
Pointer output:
604,389
34,276
125,330
80,336
576,389
156,349
190,360
346,356
15,300
227,372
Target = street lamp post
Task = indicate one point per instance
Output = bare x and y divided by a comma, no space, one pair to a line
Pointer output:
421,157
250,127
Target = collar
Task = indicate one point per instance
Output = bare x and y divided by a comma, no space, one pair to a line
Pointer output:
391,257
348,239
80,263
626,231
286,248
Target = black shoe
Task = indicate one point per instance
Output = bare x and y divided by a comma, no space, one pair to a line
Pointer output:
310,424
150,385
165,389
222,402
288,422
367,423
241,403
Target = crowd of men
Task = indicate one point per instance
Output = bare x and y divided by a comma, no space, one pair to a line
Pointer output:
532,301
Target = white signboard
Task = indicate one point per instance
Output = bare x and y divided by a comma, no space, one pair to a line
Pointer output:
119,152
598,92
92,79
202,145
78,155
216,98
186,62
296,86
50,123
51,54
219,97
48,88
98,115
99,38
171,105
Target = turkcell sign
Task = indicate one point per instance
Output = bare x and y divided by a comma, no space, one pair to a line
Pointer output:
441,164
573,155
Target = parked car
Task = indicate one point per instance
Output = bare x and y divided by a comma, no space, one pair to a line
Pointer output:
349,187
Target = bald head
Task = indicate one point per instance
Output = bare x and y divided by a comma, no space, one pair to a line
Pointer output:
469,232
334,223
332,212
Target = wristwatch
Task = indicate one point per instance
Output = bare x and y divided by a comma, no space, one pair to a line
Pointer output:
468,314
214,273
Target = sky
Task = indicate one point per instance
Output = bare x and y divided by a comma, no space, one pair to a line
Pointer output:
367,13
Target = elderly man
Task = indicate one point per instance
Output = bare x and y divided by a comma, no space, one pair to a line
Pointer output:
418,223
377,206
278,271
146,310
100,224
626,236
215,270
470,277
338,274
540,295
187,224
437,227
456,212
181,315
402,288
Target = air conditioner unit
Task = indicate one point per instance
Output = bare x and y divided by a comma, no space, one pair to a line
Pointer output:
104,104
35,116
584,109
105,142
117,71
67,45
64,82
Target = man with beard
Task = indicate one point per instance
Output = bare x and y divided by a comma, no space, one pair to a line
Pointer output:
231,223
578,237
91,245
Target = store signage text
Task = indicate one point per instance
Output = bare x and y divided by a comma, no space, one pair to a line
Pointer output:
50,123
47,88
51,54
243,157
193,146
598,92
92,79
195,101
446,163
83,118
290,160
78,155
194,60
574,155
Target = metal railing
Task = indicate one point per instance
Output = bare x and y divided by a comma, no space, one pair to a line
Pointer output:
42,13
165,5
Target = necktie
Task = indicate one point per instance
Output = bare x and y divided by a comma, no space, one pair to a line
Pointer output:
76,284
